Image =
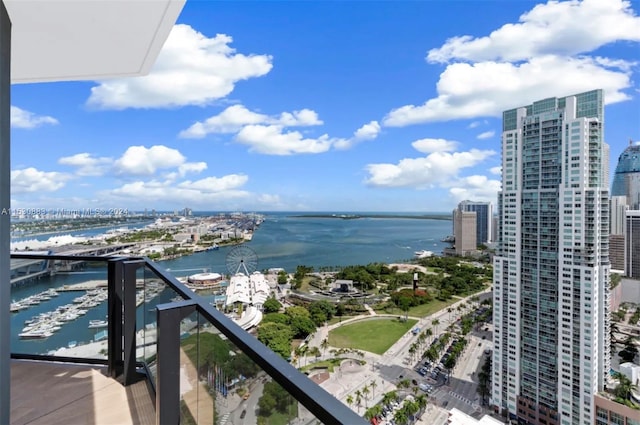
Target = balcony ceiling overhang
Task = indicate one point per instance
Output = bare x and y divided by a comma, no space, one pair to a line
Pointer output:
66,40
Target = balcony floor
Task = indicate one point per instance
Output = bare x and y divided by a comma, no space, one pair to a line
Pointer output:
63,393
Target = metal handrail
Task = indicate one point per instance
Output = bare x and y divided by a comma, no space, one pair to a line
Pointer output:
324,406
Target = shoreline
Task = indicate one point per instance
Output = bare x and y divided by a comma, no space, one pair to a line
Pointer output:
357,216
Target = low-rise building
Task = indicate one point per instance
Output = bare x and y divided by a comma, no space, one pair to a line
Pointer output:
457,417
609,411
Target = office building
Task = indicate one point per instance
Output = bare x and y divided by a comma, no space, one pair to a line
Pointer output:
632,245
551,271
618,209
484,216
464,230
626,181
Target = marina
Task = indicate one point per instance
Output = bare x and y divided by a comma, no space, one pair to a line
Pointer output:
45,324
282,242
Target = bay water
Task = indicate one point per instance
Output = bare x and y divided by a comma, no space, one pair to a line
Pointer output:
283,240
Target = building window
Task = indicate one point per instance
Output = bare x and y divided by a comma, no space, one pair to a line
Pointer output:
617,419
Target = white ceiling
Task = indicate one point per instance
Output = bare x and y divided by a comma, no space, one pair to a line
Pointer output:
61,40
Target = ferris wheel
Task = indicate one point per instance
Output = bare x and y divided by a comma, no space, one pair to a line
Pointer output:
242,259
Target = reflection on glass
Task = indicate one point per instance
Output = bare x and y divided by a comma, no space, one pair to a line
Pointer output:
220,384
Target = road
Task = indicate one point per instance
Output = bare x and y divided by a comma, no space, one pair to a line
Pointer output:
388,368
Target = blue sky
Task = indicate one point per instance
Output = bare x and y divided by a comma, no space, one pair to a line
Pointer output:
322,106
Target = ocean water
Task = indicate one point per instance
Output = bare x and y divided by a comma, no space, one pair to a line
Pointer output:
282,240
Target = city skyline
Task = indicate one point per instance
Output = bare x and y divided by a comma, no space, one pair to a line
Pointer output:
321,106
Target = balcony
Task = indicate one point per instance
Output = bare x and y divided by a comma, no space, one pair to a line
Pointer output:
163,355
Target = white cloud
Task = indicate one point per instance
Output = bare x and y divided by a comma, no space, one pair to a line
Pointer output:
271,140
218,190
478,188
558,28
87,164
496,170
475,124
543,55
139,160
488,88
367,132
301,118
267,134
486,135
216,184
33,180
235,117
21,118
191,69
434,145
436,169
191,167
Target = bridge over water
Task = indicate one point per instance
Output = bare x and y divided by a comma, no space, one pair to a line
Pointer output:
24,269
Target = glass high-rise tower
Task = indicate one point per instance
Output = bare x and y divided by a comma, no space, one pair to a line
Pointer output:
551,271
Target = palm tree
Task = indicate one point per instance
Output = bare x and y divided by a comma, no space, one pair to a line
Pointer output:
372,412
410,407
412,351
421,401
625,386
365,393
349,400
358,400
435,323
299,351
373,386
421,338
314,351
449,310
389,397
428,332
400,417
324,344
304,350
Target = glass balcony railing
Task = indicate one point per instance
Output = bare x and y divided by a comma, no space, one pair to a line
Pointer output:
129,314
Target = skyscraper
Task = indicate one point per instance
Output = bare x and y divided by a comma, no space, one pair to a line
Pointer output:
551,271
484,219
626,181
617,213
464,231
632,245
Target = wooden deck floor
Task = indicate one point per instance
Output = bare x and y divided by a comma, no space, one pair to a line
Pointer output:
68,394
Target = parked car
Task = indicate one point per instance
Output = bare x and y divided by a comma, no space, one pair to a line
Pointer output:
243,414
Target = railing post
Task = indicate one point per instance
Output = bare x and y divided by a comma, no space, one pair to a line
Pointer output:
168,360
129,323
121,346
115,361
5,207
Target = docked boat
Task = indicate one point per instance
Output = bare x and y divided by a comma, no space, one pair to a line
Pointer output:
423,254
36,334
97,324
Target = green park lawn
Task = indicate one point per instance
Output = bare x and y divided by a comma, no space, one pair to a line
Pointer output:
431,307
373,335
